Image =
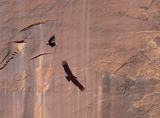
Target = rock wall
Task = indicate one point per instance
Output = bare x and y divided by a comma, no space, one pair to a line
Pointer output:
111,46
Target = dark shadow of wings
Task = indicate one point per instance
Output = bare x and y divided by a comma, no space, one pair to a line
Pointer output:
71,77
78,84
66,68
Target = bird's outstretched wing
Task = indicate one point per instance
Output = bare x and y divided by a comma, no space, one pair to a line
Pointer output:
52,40
71,77
66,68
78,84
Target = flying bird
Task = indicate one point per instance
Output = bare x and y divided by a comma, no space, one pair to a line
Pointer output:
71,77
51,41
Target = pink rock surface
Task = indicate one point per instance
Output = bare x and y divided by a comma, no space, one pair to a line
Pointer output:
111,46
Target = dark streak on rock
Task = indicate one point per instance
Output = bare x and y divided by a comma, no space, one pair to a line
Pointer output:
6,62
5,57
121,67
135,59
20,41
137,18
26,28
39,55
23,78
144,7
34,24
9,56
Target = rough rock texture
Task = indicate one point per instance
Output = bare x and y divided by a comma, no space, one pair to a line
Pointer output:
112,46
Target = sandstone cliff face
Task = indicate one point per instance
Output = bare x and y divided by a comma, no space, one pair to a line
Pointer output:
112,46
